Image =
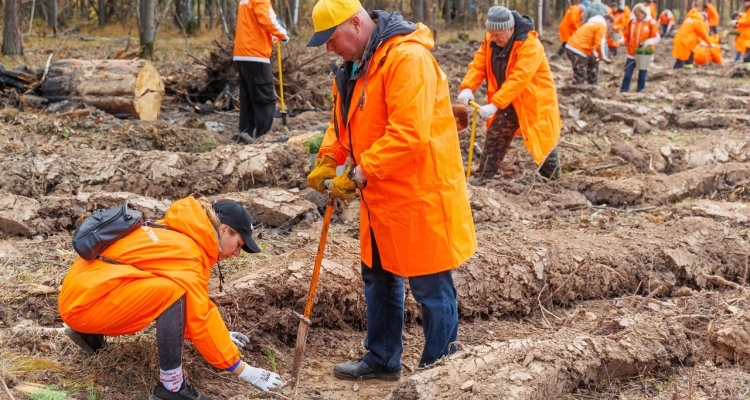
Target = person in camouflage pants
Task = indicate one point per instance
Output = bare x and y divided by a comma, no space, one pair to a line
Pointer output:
497,142
584,68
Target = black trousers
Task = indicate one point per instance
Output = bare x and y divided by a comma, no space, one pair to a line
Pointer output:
257,97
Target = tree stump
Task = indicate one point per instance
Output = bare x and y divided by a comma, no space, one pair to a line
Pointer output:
130,87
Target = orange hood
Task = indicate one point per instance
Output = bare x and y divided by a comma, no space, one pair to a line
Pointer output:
187,216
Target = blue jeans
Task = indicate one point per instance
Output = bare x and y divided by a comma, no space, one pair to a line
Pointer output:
629,69
678,64
384,296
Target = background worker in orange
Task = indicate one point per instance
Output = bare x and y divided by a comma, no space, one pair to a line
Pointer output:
691,32
392,117
163,275
571,21
742,24
642,31
586,47
651,6
666,22
622,18
257,26
713,16
521,93
704,53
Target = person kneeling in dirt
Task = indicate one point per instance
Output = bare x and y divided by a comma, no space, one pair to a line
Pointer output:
257,28
392,117
162,274
520,91
586,47
666,22
642,31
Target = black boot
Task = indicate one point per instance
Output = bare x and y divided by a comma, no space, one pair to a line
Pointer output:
90,343
186,392
359,371
243,138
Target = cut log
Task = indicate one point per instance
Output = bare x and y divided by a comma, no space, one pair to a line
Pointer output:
130,87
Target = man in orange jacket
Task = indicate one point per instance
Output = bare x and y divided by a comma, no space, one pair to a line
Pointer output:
666,22
521,94
691,32
257,28
393,120
161,273
713,17
742,24
571,21
586,47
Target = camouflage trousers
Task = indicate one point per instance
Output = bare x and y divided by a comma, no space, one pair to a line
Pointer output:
497,142
584,68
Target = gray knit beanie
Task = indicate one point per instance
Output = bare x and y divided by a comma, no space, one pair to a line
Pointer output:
499,19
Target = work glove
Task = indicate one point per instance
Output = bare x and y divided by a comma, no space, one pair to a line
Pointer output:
465,96
260,378
487,111
344,187
239,339
325,168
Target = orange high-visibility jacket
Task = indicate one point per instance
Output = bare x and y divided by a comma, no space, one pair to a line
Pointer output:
652,7
159,267
666,18
742,42
256,25
691,32
529,87
713,15
704,54
404,138
589,38
571,21
638,32
618,26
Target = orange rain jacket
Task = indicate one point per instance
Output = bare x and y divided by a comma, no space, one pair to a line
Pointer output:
589,38
404,138
160,266
666,18
528,86
704,54
742,42
638,32
571,21
691,32
256,24
652,8
621,21
713,15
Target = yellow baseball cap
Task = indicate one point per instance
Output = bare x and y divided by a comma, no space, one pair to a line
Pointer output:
327,15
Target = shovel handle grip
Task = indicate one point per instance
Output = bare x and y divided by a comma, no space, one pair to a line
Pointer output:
475,105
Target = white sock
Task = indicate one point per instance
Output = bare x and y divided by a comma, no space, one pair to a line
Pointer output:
172,379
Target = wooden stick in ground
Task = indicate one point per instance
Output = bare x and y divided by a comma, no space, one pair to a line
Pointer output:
7,391
722,281
580,264
649,297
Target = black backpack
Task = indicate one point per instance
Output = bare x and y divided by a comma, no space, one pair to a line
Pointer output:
104,227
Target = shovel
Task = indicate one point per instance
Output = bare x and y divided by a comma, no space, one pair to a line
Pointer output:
281,83
304,319
473,136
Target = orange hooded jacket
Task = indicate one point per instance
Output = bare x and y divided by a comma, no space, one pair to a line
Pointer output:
590,38
691,32
256,24
529,87
621,21
402,133
160,266
666,18
638,32
713,15
571,21
742,42
704,54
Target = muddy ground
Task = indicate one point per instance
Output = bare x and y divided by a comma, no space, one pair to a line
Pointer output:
626,279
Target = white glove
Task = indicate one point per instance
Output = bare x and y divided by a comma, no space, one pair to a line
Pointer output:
260,378
487,111
358,175
465,96
239,339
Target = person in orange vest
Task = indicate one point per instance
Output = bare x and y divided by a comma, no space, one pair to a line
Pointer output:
642,31
713,16
586,47
257,28
742,24
521,93
571,21
666,22
691,32
618,27
703,53
393,119
651,6
160,273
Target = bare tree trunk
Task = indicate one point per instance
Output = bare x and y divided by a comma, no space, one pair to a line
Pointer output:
198,15
147,27
546,14
230,10
52,16
102,13
210,11
184,16
12,37
418,10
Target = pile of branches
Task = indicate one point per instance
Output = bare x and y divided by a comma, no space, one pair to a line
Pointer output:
17,83
307,79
